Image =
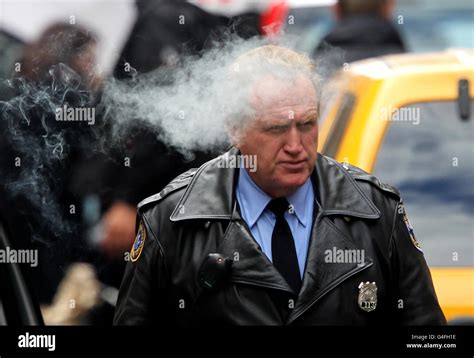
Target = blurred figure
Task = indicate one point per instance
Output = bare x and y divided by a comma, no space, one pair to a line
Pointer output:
71,45
167,29
77,294
363,30
39,152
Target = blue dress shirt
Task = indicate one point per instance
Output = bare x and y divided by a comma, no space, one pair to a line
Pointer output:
261,221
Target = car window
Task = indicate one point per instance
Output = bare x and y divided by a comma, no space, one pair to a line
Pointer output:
428,154
339,125
453,19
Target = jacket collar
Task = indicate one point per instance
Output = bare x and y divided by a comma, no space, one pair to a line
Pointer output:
211,192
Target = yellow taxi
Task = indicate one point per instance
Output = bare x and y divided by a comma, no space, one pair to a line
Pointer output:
409,120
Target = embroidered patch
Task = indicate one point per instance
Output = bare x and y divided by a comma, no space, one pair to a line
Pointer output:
410,230
139,243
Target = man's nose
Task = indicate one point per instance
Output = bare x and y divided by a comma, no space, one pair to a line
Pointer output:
293,143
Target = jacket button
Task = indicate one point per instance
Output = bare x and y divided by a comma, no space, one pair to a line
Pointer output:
207,224
347,218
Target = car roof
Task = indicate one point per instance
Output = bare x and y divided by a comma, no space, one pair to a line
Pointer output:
414,63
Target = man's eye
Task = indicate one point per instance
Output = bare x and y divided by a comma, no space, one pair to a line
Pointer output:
306,125
277,129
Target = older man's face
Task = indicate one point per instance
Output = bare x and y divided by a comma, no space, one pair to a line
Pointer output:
284,135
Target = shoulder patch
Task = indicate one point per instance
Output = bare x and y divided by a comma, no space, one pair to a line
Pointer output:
407,223
139,242
177,183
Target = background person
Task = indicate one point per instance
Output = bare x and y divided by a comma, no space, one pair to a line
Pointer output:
363,30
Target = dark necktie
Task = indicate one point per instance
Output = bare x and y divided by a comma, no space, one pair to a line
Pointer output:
283,245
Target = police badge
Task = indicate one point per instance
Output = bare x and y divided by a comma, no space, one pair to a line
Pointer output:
367,296
139,243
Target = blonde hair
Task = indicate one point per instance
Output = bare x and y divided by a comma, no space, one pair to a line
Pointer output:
277,55
277,61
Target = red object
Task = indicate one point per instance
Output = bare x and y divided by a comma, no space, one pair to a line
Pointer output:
271,20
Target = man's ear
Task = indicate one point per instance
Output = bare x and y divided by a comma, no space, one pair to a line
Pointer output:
236,140
235,136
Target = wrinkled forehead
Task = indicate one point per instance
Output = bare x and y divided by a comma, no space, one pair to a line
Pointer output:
277,95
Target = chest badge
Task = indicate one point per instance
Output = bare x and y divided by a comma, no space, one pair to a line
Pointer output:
139,243
367,296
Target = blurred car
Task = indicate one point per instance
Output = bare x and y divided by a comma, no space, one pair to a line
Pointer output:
409,120
425,25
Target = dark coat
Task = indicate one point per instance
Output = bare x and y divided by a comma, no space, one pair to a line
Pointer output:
197,214
168,29
359,37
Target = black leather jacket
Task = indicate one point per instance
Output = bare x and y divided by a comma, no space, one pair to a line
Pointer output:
197,214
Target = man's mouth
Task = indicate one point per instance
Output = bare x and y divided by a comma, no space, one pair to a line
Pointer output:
293,165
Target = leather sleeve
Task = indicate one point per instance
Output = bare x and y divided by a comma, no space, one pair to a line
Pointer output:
417,303
139,296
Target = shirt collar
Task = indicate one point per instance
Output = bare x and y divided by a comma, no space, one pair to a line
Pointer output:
254,200
300,199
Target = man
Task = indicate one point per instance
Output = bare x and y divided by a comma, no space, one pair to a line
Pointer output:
298,239
363,30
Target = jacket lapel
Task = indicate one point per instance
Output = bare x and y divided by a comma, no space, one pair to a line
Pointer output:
211,195
251,265
337,194
321,277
